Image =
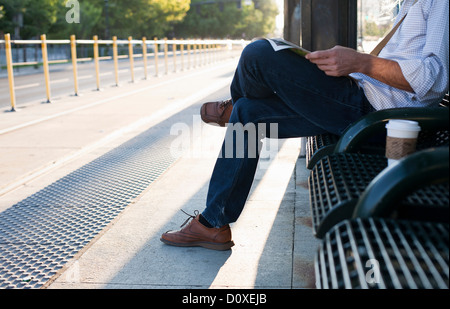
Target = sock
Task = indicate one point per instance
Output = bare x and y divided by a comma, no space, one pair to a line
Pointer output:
204,222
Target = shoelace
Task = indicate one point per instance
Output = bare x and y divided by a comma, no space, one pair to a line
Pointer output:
225,103
196,213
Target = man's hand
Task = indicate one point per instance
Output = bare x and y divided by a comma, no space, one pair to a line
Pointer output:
338,61
341,61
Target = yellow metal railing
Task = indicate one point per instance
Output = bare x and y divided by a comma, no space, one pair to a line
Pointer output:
9,66
198,52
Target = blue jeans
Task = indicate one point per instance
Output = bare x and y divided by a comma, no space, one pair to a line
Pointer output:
279,88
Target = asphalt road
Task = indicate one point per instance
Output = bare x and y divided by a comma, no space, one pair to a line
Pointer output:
30,83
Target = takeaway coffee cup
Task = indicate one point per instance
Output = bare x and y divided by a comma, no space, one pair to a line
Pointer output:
401,139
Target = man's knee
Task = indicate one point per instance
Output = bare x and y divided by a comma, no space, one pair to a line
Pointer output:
244,112
256,50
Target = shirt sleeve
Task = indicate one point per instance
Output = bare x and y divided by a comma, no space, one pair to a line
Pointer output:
428,74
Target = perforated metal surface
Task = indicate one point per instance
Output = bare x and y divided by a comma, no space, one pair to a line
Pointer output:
406,254
340,178
315,143
42,232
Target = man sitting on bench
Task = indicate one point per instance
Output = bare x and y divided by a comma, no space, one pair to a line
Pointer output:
306,96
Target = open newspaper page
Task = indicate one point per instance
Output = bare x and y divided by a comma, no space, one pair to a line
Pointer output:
280,44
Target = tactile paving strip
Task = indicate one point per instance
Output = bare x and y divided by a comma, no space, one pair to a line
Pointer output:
42,232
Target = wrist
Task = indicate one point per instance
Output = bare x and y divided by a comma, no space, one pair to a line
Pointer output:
365,63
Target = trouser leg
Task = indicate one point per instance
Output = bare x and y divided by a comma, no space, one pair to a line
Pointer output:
233,174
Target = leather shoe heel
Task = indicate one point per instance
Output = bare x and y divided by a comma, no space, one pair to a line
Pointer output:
216,112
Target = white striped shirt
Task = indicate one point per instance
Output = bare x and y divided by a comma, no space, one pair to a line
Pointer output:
420,46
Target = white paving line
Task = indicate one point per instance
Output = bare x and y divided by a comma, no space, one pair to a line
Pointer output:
26,86
63,80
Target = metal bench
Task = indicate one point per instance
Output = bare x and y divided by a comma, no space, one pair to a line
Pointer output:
371,253
340,183
382,227
337,180
319,146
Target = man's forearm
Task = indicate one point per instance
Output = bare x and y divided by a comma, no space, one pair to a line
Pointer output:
384,70
341,61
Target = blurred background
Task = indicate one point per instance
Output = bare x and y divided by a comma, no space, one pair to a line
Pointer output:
199,19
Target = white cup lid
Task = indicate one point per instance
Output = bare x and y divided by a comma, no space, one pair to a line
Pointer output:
403,125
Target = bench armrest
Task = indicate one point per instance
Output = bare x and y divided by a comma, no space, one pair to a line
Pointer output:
360,131
387,189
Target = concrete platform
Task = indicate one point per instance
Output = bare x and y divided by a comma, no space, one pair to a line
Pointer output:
274,243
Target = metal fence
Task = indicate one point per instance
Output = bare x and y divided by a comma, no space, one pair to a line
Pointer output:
193,53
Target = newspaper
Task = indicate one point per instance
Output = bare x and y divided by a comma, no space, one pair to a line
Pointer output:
280,44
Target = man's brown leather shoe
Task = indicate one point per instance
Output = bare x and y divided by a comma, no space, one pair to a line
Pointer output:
196,234
216,112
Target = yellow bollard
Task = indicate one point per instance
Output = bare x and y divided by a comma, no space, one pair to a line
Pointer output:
116,61
45,62
218,49
201,54
73,48
182,55
217,52
97,69
165,55
199,60
130,51
205,54
189,55
194,54
9,65
156,56
174,51
211,50
144,55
